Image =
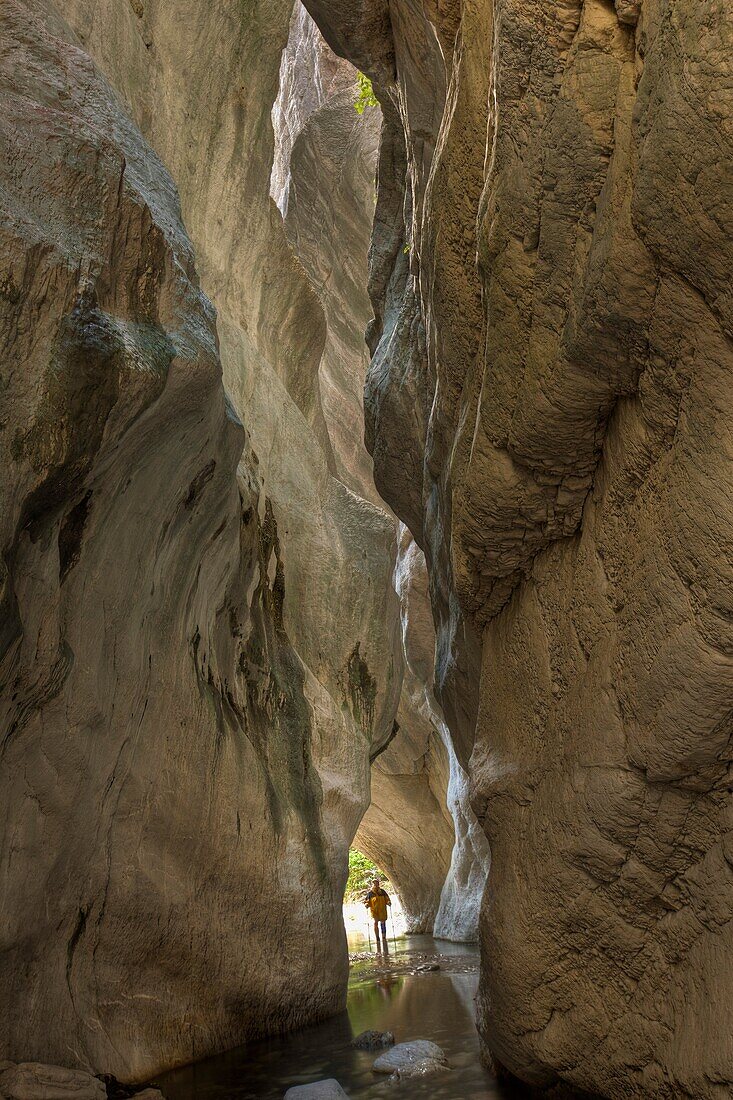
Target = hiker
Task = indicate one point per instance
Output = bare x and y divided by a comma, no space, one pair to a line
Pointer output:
376,902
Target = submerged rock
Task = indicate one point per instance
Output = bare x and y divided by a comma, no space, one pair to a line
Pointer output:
373,1040
36,1081
319,1090
413,1059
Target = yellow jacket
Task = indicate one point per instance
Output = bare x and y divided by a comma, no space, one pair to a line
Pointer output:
377,904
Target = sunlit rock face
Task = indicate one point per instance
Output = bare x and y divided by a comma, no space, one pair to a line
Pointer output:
552,366
201,643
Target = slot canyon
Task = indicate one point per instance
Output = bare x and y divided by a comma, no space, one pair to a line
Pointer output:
369,484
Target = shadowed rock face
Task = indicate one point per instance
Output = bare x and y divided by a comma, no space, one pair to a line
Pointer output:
550,267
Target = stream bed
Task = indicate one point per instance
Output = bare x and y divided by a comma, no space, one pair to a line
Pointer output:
385,994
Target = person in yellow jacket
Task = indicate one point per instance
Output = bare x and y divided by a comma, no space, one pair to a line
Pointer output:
376,902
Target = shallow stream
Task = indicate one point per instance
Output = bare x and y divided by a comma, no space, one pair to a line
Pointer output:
384,994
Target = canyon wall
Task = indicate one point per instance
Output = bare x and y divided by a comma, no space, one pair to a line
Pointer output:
547,410
419,825
201,642
202,646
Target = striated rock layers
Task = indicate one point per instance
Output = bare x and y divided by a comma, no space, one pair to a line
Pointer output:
548,410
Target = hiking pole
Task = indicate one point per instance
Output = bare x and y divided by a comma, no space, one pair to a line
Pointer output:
394,940
369,936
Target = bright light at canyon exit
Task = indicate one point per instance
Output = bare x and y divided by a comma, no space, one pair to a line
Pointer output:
366,579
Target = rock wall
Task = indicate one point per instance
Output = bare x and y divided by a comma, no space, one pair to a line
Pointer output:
420,824
324,179
546,408
202,647
201,640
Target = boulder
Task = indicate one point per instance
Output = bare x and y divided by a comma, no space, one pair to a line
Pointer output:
318,1090
36,1081
413,1059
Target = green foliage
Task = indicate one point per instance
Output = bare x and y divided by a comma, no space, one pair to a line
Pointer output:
361,873
365,94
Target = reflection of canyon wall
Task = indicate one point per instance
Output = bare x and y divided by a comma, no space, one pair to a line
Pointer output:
550,273
200,637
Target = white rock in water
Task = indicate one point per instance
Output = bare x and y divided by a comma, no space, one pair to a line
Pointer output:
412,1059
36,1081
319,1090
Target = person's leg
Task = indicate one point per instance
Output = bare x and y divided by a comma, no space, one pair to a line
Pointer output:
376,933
384,934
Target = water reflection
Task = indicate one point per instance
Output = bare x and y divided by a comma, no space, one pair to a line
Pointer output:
385,994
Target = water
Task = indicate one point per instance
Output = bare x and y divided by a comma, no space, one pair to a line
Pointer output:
386,995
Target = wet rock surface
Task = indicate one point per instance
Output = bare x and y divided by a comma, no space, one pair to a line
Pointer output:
414,1059
318,1090
373,1040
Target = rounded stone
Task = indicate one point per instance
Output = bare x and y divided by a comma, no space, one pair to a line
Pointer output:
412,1059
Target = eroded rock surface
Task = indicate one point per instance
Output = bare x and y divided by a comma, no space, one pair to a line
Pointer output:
325,164
34,1081
201,646
420,824
415,1059
184,745
546,408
